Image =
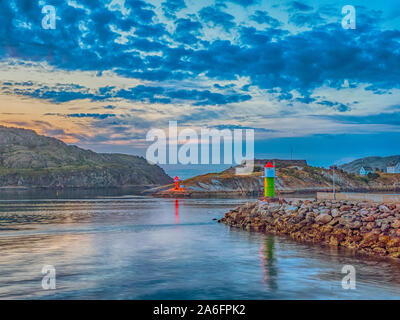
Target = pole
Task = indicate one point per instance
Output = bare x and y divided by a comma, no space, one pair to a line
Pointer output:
333,183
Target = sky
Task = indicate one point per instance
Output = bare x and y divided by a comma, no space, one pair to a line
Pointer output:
111,70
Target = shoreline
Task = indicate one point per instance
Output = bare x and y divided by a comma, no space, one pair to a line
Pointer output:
255,194
371,229
35,188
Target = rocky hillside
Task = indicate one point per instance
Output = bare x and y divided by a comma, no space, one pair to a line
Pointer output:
31,160
288,180
380,163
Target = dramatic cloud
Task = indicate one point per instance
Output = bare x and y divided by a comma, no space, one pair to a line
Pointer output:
91,115
217,17
171,7
135,45
202,63
299,6
262,17
69,92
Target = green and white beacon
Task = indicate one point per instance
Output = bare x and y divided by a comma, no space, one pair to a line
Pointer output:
269,180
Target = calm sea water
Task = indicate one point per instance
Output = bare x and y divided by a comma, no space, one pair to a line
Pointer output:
135,247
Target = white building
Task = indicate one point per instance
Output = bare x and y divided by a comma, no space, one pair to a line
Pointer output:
394,169
365,170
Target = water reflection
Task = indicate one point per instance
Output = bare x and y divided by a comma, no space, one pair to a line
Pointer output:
22,260
269,263
67,193
19,216
176,211
131,248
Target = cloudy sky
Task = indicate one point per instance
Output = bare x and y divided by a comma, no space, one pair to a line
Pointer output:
113,69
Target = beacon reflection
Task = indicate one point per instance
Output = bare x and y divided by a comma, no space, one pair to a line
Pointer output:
267,253
176,211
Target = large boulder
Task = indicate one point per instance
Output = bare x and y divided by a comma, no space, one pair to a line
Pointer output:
323,218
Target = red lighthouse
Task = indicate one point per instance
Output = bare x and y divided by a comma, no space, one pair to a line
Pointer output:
176,183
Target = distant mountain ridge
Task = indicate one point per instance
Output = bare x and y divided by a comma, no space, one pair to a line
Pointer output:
380,163
31,160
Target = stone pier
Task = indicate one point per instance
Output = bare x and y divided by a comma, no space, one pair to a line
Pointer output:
368,227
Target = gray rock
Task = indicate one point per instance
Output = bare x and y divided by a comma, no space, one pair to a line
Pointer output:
385,226
383,208
323,218
335,213
291,209
325,211
354,225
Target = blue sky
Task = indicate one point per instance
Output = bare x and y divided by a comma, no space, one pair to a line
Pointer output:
112,70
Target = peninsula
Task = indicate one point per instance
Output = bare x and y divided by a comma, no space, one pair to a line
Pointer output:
292,176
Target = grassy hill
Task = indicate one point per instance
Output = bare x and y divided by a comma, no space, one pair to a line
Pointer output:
31,160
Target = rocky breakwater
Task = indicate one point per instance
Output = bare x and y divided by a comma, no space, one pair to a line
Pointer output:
369,228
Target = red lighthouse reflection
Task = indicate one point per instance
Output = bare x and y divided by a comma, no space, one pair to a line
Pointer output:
176,211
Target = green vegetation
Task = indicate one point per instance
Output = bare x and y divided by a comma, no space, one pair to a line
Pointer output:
368,178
